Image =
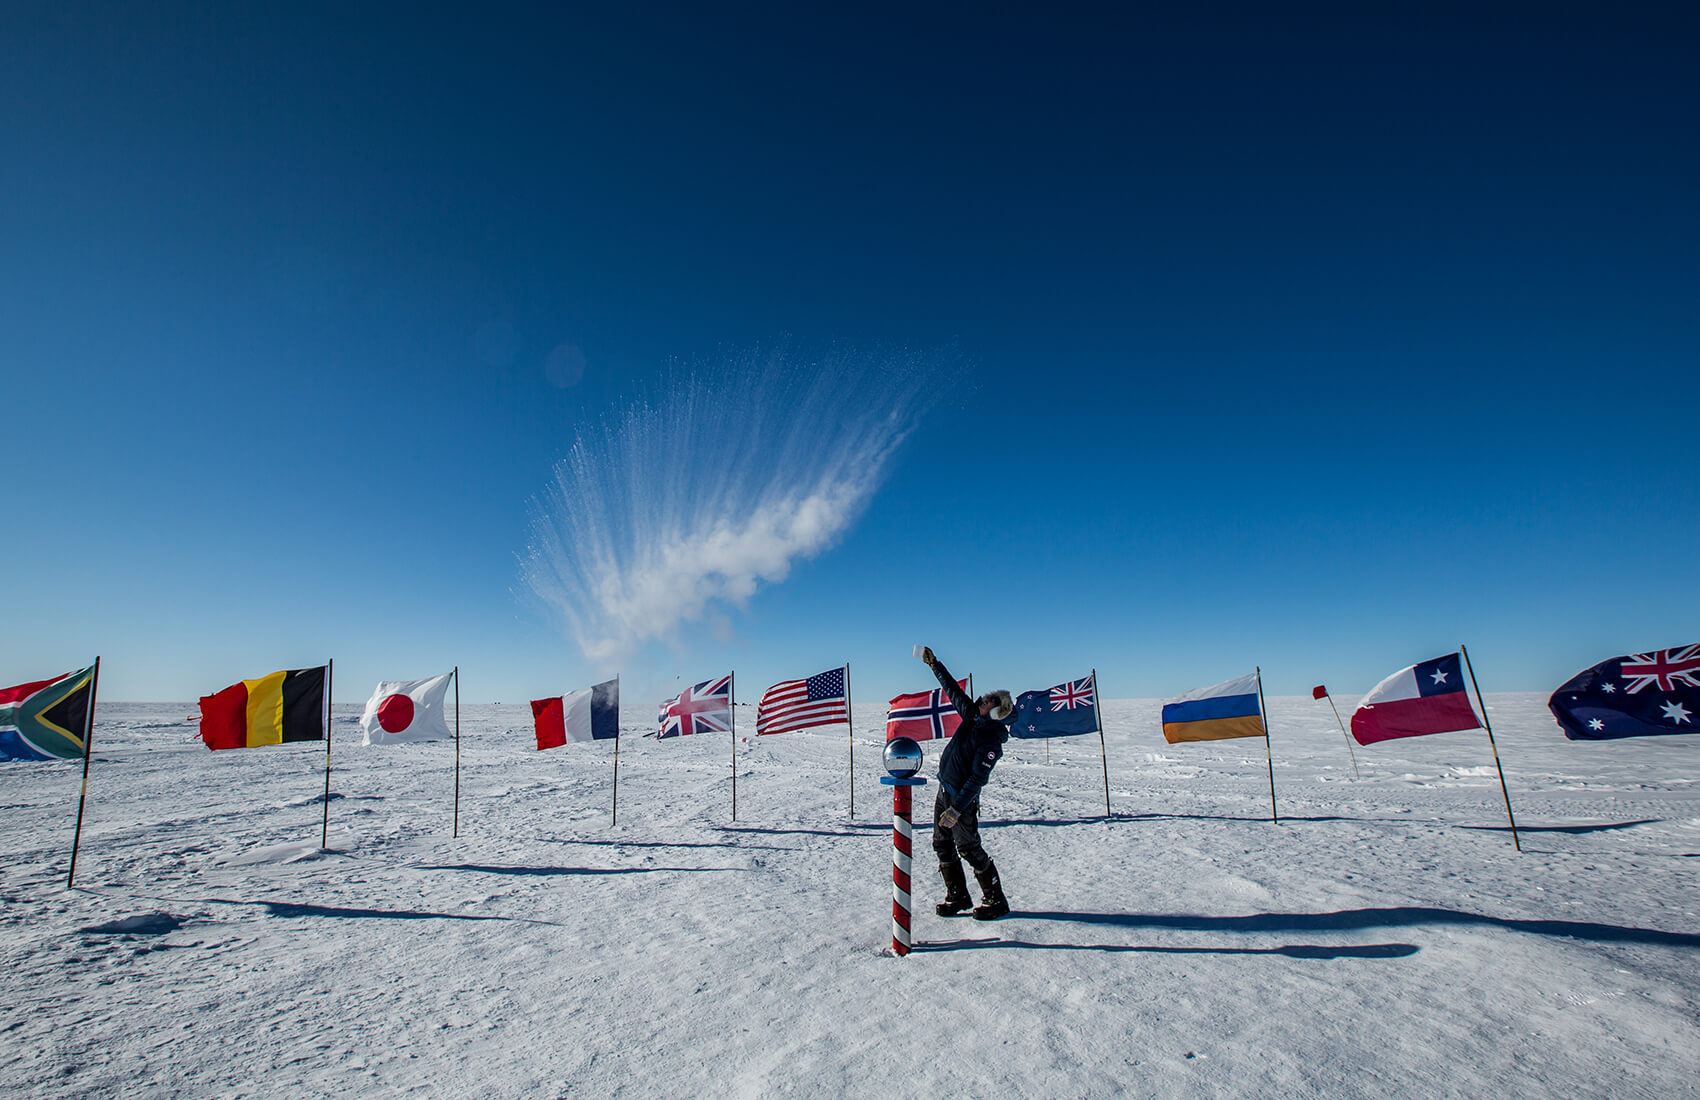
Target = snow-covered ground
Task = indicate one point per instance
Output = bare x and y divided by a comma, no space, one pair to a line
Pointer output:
1385,939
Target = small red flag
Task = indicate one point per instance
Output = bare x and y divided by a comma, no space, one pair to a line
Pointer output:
1319,692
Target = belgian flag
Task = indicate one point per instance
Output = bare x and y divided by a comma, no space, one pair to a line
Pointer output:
285,706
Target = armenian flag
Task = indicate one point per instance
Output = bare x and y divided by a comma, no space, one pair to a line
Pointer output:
285,706
46,720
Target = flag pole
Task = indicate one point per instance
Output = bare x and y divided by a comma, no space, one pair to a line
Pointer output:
1502,787
325,825
732,706
1268,754
88,741
1347,736
1099,714
616,811
457,750
850,726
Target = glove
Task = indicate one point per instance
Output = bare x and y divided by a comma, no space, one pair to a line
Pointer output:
950,817
927,656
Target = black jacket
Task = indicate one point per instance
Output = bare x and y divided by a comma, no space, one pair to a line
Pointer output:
974,748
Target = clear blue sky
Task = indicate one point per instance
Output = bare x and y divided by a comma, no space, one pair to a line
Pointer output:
1323,340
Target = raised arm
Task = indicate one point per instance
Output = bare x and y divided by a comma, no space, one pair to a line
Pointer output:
958,698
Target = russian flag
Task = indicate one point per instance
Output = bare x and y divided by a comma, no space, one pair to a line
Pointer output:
1425,698
1215,713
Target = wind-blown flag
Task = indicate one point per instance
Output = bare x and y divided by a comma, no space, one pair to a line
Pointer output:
799,704
589,714
923,715
1320,691
700,708
1425,698
1637,695
1215,713
45,720
1062,711
285,706
407,710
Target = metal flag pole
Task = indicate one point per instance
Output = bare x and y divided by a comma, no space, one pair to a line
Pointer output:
1099,714
1344,734
732,705
1268,754
457,750
850,726
1502,787
616,811
325,826
88,741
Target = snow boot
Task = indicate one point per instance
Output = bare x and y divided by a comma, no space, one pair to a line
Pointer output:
956,899
992,902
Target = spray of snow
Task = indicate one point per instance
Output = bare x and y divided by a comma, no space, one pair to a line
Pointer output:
716,487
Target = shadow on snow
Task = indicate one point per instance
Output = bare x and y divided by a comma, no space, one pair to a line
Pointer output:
1391,917
1291,950
498,869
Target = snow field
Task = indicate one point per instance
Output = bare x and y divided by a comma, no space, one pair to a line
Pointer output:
1384,939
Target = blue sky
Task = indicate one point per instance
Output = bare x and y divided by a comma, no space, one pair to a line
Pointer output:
1322,342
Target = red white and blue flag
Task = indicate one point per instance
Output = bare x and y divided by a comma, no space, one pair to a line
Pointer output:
1637,695
1062,711
700,708
1425,698
799,704
923,716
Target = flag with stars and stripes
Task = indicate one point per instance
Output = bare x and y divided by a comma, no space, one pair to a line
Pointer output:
1062,711
1636,695
799,704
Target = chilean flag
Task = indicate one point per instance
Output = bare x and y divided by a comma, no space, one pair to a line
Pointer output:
1426,698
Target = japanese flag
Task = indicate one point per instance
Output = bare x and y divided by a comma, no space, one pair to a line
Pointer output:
407,710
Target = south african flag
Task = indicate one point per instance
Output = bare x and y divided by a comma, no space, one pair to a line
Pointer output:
46,720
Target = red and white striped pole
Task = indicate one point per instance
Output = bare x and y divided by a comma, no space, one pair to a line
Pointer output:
903,760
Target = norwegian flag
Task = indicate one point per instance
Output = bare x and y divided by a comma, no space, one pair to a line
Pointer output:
923,716
1662,668
1062,711
700,708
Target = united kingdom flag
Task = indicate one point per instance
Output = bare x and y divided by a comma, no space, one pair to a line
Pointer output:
700,708
1662,668
1062,711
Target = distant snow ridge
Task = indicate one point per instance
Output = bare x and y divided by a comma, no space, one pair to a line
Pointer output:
714,487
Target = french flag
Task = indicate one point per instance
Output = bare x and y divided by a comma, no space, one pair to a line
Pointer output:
1425,698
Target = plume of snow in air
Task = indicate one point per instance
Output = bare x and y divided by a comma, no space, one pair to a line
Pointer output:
716,486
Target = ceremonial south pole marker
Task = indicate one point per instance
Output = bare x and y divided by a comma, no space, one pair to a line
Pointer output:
902,760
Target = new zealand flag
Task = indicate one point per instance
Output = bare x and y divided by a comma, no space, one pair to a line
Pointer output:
1638,695
1062,711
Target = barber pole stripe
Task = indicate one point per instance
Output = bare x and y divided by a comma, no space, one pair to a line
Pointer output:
902,852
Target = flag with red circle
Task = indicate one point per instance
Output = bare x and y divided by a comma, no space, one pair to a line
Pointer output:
407,710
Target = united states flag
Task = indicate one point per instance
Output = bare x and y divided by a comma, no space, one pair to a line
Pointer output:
799,704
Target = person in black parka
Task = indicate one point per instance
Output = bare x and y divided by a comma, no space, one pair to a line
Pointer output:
964,767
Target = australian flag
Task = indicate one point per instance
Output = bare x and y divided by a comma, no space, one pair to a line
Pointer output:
1637,695
1062,711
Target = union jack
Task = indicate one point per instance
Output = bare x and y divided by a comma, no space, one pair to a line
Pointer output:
700,708
1076,693
1663,667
